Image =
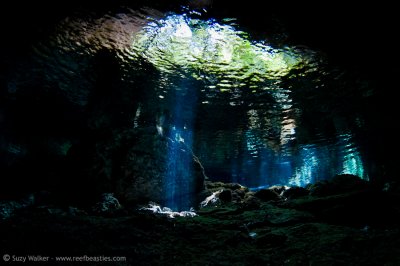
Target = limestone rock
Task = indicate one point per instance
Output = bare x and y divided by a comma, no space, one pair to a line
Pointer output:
108,204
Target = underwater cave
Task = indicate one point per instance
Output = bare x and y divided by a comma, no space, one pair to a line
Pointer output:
199,132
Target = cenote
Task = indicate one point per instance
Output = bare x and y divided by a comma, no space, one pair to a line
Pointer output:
265,134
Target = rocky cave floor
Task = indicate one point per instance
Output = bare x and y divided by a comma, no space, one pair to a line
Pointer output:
340,222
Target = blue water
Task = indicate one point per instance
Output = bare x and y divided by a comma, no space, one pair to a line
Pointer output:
178,178
252,112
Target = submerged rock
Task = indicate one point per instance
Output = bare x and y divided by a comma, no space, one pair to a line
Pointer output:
153,207
137,166
266,195
212,200
107,205
271,240
8,208
148,171
288,232
225,195
294,192
338,184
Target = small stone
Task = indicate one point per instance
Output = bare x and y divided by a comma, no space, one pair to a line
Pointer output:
108,204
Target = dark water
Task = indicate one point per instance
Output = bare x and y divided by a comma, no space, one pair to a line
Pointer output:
253,112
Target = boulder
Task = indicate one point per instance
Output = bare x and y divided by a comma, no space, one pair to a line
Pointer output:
107,205
137,166
266,195
294,192
339,184
225,195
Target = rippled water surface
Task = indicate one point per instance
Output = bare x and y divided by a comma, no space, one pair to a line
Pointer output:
254,113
